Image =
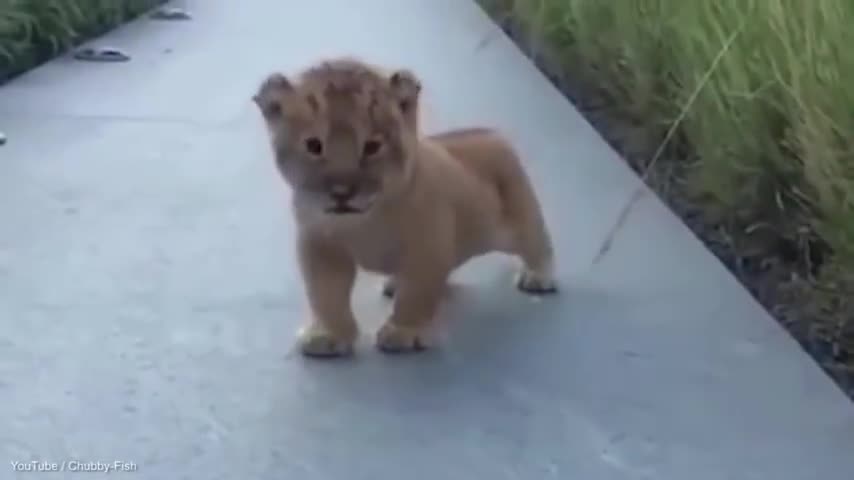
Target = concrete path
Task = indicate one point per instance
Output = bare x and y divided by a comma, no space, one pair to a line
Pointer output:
148,293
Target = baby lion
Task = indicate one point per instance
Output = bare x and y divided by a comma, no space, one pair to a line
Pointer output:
369,191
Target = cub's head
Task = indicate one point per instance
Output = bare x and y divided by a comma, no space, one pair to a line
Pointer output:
343,134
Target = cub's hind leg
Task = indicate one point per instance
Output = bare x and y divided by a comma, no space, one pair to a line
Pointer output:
533,246
530,238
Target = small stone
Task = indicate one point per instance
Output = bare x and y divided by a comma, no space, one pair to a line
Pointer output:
101,54
171,13
2,138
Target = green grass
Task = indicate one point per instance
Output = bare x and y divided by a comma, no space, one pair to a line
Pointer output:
770,133
31,31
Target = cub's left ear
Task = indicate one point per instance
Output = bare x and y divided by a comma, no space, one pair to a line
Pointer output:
269,94
407,88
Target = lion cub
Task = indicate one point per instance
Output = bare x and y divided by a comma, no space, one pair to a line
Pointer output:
368,191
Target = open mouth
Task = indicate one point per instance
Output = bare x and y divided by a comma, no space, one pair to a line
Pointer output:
343,210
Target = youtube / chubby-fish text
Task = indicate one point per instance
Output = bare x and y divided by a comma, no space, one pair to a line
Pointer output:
74,466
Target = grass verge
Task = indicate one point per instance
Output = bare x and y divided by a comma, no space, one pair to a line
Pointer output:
739,114
33,31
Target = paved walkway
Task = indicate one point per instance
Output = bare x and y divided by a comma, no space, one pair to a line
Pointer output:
148,293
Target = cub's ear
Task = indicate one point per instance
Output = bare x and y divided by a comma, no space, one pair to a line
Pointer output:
407,88
269,94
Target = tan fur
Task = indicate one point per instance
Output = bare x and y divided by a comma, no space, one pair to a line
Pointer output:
414,209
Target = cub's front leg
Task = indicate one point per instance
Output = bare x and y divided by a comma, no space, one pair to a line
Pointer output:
417,290
329,274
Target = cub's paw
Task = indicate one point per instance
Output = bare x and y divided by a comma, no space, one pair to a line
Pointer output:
389,288
394,338
535,283
316,341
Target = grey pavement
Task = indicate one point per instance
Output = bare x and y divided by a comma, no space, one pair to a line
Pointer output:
149,297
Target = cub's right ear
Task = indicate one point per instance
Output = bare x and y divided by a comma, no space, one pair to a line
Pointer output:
269,95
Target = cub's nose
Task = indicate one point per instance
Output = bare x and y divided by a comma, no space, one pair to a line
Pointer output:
342,192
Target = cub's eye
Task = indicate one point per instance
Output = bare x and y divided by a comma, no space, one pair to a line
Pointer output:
371,147
314,146
272,110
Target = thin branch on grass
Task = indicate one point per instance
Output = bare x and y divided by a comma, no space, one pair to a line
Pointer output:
606,245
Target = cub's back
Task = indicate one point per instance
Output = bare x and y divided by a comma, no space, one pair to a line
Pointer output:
487,155
491,194
480,150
